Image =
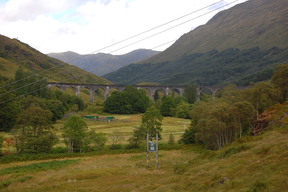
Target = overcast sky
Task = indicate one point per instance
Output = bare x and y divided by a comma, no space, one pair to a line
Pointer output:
87,26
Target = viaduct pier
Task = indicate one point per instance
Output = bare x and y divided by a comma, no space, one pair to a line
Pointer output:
108,88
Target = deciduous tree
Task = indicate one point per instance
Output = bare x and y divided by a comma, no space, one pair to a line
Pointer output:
152,121
182,110
33,131
9,106
130,101
262,95
280,78
74,133
243,114
94,141
190,92
167,106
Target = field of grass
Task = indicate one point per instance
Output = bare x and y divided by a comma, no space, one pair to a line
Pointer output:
252,164
123,126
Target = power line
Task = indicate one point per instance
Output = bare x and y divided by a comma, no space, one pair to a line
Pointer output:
44,87
59,72
136,41
121,41
173,27
119,49
157,27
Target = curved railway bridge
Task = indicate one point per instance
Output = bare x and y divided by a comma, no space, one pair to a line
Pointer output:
108,89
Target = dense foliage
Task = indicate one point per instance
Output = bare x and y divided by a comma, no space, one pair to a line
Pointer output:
190,92
8,110
235,112
33,132
28,108
215,122
230,66
26,88
174,106
280,78
29,83
1,144
129,101
167,106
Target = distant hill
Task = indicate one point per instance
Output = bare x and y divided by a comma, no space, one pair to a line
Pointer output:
14,53
238,45
102,63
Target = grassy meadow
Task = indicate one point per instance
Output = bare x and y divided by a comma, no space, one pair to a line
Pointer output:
123,126
252,164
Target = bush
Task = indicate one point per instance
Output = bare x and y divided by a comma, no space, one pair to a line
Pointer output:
167,106
132,146
57,150
1,144
189,136
233,150
115,147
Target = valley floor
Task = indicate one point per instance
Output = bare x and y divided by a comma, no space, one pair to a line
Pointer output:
251,164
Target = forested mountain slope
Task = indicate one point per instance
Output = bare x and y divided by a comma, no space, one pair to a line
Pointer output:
14,54
238,45
210,68
255,23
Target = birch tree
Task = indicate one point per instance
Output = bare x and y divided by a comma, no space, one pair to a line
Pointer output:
74,133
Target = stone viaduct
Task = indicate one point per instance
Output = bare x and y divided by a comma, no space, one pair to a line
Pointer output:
108,88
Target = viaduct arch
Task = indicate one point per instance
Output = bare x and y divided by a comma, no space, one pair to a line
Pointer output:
107,89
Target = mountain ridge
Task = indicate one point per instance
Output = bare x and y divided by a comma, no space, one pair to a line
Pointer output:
103,63
236,45
256,25
14,53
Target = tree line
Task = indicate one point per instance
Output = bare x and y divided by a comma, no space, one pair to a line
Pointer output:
29,108
214,124
234,113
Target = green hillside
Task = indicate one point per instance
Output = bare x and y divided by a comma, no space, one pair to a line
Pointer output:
238,45
255,23
14,54
211,68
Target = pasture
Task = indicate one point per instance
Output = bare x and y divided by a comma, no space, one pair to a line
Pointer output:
123,127
251,164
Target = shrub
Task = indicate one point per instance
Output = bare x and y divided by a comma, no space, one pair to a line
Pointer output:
1,145
233,150
115,147
189,136
57,150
